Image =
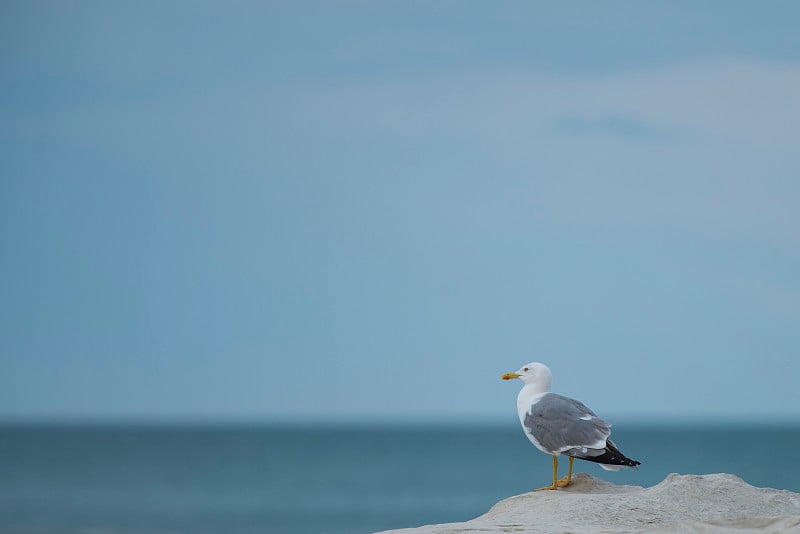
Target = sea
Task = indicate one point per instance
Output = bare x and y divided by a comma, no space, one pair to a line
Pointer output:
108,478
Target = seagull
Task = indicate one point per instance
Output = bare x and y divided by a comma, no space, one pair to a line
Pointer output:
560,425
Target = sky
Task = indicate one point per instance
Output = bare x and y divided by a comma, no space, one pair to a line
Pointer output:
369,211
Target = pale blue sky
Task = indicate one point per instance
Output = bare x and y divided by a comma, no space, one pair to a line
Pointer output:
371,210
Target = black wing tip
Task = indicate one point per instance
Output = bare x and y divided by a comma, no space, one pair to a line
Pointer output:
613,459
616,457
609,458
612,456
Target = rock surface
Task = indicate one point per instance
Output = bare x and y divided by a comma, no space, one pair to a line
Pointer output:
698,504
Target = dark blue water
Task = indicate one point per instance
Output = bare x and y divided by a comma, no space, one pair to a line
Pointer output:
159,479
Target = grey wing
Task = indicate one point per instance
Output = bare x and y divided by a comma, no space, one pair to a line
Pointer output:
560,424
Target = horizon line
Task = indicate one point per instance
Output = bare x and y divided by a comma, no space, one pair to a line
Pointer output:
366,420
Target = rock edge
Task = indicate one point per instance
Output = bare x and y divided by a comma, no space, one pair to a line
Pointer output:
700,504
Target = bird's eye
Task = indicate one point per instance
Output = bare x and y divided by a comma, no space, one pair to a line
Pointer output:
526,369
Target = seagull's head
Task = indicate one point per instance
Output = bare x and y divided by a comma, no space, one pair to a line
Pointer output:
533,373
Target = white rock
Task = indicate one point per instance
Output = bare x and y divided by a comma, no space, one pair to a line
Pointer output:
700,504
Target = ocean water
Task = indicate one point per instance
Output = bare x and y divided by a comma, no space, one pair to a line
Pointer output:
107,479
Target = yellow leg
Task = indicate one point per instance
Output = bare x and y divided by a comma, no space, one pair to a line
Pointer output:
555,476
567,480
564,482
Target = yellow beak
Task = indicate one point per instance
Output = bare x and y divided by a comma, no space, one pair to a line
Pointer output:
509,376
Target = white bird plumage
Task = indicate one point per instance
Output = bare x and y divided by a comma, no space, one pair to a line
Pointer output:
560,425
